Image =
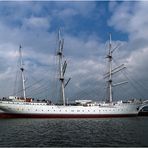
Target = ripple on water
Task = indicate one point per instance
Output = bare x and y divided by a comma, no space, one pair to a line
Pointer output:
74,132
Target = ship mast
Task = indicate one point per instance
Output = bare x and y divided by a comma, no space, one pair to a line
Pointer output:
62,67
112,71
109,56
22,73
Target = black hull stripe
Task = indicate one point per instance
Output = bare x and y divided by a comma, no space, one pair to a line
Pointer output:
9,115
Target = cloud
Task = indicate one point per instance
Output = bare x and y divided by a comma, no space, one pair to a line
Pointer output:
79,7
131,18
66,13
127,19
37,23
34,25
137,62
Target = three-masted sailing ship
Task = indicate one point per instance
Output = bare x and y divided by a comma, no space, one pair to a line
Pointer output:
16,107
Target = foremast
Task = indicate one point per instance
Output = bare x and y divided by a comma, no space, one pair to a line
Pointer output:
112,71
22,73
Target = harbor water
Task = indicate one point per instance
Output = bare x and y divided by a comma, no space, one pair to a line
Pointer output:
74,132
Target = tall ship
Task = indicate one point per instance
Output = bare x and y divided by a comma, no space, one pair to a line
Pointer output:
27,108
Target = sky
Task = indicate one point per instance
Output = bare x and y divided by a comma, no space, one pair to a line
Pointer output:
85,27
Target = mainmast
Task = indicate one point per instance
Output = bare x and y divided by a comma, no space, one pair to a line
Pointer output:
22,73
62,67
109,56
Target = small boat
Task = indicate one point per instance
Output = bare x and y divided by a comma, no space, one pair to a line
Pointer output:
143,111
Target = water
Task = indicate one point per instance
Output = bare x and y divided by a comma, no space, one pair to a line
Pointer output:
74,132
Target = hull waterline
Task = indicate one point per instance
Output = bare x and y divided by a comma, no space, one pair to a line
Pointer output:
9,115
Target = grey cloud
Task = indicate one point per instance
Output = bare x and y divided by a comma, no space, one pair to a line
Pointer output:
86,55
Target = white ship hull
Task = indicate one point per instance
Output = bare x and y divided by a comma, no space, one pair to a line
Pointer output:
42,110
20,107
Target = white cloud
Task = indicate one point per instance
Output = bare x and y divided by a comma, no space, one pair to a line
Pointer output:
79,7
65,13
37,23
137,61
131,17
85,52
